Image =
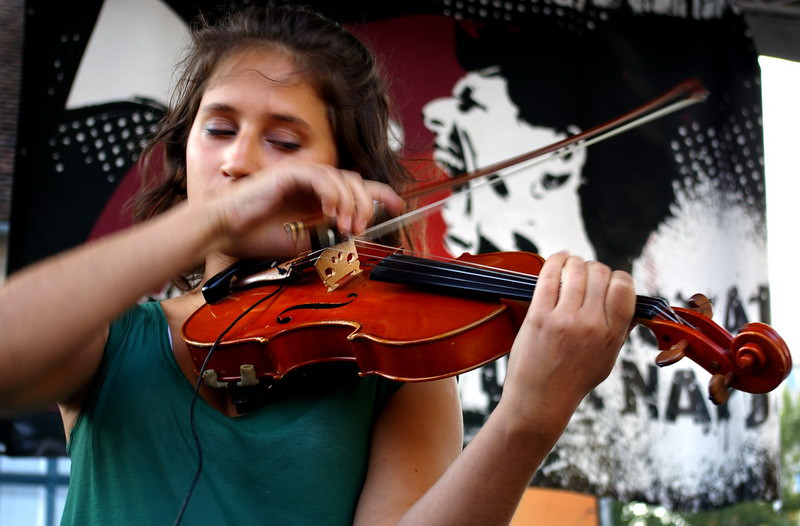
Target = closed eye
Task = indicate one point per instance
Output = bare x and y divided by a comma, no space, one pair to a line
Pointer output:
216,132
285,145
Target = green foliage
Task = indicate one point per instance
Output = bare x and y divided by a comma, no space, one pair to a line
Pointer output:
744,514
790,441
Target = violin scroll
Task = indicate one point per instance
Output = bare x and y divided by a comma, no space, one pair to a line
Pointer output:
756,360
754,351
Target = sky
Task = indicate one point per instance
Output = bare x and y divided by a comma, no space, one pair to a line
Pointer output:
780,83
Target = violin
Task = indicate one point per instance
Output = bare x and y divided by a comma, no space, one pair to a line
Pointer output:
363,305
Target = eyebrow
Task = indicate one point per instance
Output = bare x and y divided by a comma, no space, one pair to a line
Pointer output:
466,101
227,108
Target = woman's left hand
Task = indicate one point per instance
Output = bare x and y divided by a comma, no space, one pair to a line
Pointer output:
578,319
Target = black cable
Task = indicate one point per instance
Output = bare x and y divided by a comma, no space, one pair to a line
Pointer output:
192,420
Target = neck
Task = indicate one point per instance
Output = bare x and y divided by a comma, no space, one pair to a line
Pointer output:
216,263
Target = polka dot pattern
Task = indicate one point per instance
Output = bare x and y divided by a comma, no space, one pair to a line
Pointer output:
103,140
573,15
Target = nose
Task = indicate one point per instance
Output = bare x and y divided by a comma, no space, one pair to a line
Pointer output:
243,156
434,115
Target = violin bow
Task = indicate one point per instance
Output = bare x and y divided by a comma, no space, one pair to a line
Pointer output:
686,93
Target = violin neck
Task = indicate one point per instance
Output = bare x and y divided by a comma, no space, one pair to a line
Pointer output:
477,281
454,277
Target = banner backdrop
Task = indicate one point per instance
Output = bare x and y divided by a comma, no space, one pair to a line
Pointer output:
678,202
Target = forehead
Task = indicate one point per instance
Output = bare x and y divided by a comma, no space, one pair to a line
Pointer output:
262,75
262,68
273,65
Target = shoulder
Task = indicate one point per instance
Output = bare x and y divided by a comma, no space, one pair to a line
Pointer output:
113,337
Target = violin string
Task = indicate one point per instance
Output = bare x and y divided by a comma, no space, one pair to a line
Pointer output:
468,283
448,259
471,272
465,277
466,272
514,278
501,282
662,309
471,269
658,305
193,405
516,281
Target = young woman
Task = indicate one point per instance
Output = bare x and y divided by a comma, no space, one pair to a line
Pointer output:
280,114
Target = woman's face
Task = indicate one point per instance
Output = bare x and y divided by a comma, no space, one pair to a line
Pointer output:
255,111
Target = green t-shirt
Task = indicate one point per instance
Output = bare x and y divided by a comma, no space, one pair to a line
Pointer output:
300,459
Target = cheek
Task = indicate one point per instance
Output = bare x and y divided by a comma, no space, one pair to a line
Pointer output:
200,167
326,150
332,157
192,151
194,148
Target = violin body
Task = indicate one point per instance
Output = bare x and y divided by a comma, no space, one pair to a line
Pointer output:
390,329
413,319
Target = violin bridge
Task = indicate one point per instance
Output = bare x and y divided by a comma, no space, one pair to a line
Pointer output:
337,265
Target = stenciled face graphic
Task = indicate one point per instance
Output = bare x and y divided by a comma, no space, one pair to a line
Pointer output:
535,208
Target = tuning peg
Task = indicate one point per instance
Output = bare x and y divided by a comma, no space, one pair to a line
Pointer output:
248,374
700,303
211,379
673,354
719,388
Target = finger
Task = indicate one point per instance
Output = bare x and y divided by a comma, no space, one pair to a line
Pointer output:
364,208
620,300
334,195
597,280
321,180
573,284
545,294
385,194
346,203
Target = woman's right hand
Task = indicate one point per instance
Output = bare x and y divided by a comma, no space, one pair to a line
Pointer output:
250,213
